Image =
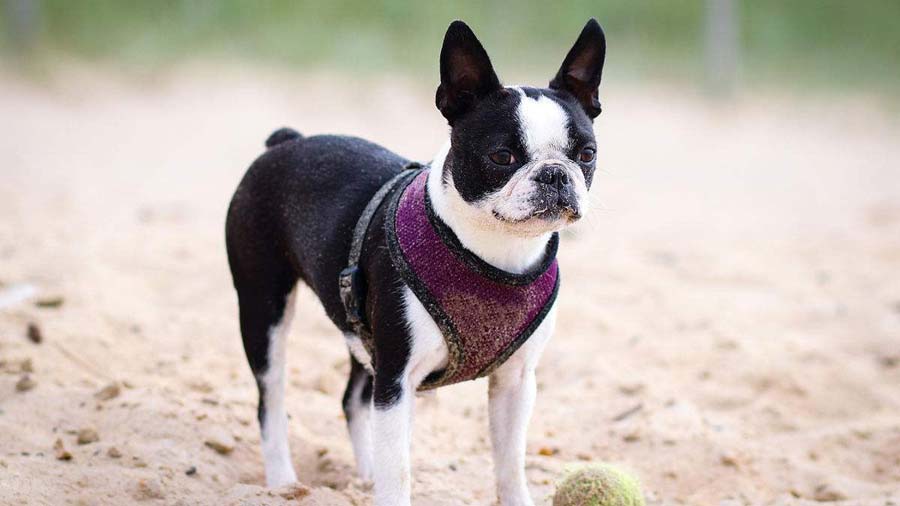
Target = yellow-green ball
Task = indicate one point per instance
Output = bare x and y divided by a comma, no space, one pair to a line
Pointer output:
598,485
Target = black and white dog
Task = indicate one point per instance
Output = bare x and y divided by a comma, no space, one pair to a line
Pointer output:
516,169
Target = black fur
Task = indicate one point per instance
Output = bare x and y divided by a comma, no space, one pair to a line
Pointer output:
291,219
282,135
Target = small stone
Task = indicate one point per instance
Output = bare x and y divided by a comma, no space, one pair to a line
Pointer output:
113,452
824,493
632,388
87,436
200,386
26,366
547,451
294,491
889,362
34,333
728,460
51,302
108,392
632,437
148,489
60,450
25,383
191,471
220,441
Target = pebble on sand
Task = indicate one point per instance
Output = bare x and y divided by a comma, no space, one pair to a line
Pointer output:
25,383
53,301
113,452
87,436
34,333
148,489
60,450
826,493
294,492
108,392
220,441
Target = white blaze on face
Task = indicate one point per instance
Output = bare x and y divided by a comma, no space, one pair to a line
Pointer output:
544,127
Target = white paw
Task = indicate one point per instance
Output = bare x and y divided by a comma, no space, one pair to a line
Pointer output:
518,501
365,471
515,498
280,476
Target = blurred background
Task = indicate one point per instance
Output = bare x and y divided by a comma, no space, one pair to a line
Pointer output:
729,323
819,44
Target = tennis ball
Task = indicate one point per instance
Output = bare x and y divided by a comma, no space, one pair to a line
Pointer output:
598,485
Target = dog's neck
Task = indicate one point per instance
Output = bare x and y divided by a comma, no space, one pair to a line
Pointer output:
484,236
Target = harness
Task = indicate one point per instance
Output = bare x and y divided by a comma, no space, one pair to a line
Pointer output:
485,314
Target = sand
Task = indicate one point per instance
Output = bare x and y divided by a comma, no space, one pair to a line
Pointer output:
729,323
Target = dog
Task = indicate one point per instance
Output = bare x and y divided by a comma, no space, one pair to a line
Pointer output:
434,274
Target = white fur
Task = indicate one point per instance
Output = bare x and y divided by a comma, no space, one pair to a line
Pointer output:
360,426
275,449
544,126
393,434
429,351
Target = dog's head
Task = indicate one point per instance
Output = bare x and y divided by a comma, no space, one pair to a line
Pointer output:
520,157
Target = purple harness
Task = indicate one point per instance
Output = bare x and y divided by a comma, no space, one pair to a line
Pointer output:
484,313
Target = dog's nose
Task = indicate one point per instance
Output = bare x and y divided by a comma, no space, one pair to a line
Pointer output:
554,175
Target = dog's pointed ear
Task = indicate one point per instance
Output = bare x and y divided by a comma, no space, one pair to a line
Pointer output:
581,70
466,72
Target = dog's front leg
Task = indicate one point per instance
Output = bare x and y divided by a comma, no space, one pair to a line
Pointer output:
392,430
512,392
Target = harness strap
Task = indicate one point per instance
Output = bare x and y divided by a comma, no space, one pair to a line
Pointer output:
352,279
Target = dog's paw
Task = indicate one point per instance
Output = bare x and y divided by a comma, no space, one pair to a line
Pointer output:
280,476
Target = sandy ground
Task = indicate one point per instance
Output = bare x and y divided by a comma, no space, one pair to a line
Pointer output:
729,326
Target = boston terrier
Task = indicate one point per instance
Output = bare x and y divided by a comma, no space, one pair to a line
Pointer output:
435,273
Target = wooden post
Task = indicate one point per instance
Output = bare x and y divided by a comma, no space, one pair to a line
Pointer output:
722,46
23,24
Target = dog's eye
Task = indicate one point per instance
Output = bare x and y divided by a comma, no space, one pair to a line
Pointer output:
503,157
587,155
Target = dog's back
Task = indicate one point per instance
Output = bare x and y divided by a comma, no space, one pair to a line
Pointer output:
295,208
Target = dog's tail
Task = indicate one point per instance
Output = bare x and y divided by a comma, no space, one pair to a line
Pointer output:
282,135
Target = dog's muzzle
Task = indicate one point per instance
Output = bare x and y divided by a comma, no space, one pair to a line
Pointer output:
555,193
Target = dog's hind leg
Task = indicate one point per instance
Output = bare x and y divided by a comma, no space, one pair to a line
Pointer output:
358,411
265,318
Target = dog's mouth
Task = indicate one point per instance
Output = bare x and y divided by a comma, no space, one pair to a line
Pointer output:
547,215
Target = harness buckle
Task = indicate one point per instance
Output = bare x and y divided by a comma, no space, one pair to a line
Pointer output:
352,289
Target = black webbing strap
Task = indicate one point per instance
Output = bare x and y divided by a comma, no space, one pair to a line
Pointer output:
352,282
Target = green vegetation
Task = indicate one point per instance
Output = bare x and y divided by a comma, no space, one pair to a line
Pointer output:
826,42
